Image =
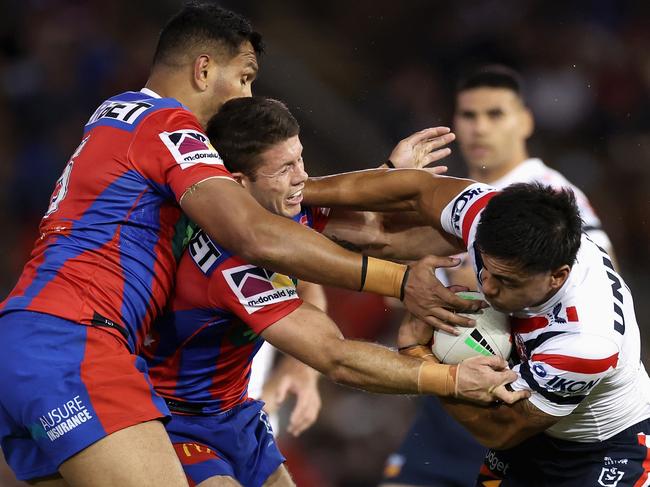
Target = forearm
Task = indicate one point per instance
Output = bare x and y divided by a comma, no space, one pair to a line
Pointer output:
372,190
386,190
280,244
375,368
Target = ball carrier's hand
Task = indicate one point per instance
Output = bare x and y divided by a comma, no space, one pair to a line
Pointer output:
430,301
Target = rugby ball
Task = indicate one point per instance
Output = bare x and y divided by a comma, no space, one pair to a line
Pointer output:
490,336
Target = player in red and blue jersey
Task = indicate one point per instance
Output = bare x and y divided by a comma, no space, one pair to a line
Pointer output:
76,399
200,353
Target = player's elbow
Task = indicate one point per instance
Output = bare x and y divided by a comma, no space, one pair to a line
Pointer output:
333,357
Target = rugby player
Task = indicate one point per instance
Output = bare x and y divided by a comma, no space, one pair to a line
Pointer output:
223,307
492,125
76,399
573,322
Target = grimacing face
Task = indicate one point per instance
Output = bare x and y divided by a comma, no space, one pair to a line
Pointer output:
279,178
491,127
509,289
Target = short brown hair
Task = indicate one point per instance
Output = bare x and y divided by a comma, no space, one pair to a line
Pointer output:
245,127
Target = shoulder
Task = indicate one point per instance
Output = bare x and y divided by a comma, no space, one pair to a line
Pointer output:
128,110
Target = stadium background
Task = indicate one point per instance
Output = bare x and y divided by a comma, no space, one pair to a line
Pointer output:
358,76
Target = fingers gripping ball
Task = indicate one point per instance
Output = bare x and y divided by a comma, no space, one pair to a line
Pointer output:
491,336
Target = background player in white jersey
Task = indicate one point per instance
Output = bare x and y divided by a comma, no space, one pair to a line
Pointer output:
573,321
492,124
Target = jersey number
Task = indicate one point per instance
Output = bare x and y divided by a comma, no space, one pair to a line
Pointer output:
61,186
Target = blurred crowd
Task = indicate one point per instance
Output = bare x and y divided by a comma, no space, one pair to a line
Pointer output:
359,76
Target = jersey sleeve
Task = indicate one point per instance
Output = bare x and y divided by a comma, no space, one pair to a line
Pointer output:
564,369
461,216
319,218
171,149
257,296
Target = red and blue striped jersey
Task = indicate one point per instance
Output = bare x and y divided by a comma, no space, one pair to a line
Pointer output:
200,352
106,251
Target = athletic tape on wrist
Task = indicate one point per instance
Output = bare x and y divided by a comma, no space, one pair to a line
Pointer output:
383,277
438,379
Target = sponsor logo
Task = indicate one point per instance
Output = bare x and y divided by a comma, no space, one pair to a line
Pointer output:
63,419
191,453
560,384
256,287
611,473
190,147
461,203
496,465
539,370
264,419
476,341
203,251
124,111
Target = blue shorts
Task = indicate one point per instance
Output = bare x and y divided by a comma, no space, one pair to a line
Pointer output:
238,443
64,386
542,461
436,451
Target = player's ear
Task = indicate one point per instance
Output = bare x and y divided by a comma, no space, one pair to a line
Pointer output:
527,123
202,65
240,178
559,276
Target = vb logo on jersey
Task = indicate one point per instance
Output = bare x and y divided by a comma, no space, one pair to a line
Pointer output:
256,287
190,147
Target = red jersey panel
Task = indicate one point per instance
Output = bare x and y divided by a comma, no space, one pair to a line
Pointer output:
201,351
105,255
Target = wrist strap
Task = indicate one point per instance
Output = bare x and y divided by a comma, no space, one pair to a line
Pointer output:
383,277
390,164
438,379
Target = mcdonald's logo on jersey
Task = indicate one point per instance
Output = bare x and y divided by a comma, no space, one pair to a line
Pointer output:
256,287
190,147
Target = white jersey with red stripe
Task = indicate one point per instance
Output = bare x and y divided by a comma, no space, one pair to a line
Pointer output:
534,170
580,350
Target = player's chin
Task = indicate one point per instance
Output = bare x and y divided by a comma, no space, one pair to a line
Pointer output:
290,210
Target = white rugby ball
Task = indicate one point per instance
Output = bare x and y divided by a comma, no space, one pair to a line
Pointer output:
490,336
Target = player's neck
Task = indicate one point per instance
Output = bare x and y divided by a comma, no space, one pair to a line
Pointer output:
491,174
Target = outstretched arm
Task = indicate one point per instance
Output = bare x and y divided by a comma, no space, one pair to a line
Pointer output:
310,336
285,246
386,190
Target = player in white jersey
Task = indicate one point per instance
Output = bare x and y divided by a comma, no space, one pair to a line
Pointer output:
492,124
573,318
